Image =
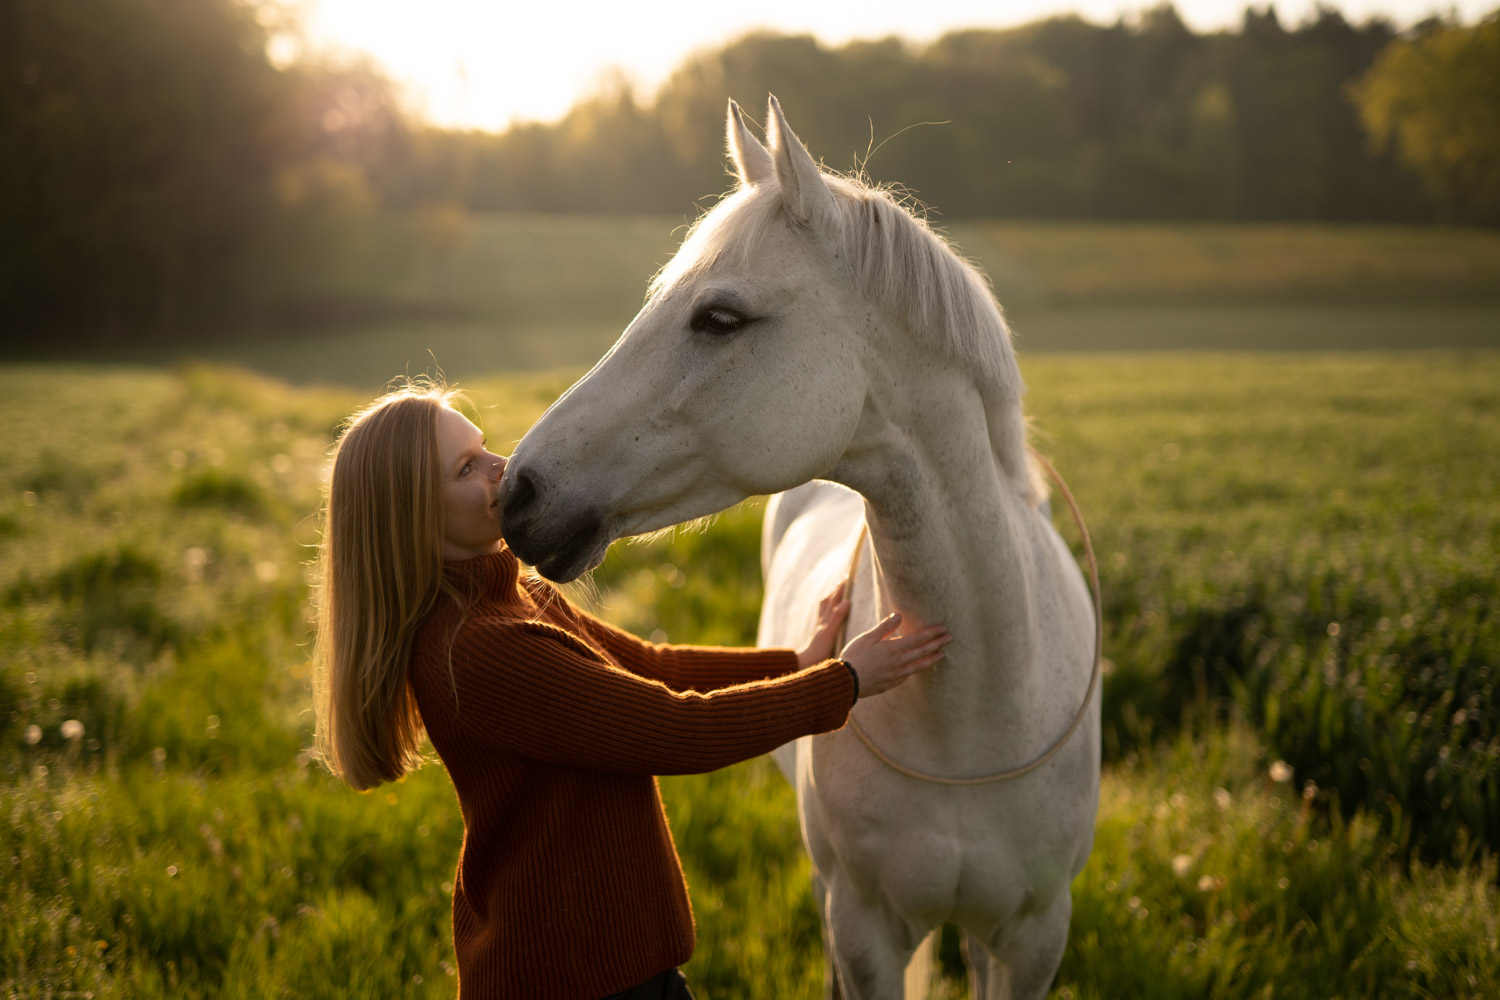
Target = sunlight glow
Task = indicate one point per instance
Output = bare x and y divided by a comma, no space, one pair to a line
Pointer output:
489,63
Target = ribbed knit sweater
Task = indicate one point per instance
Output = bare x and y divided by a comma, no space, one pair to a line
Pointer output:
552,725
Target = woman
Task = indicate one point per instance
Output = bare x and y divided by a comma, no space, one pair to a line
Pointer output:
551,723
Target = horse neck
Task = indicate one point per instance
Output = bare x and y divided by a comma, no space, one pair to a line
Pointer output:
942,465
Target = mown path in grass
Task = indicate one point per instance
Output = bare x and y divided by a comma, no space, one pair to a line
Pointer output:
1301,753
544,292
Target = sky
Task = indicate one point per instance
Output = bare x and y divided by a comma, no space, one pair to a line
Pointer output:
489,63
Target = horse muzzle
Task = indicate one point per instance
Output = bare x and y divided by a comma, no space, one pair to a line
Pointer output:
562,540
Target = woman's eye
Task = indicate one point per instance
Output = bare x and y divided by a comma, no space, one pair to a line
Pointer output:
717,320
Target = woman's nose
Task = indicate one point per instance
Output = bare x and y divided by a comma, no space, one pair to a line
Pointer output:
498,468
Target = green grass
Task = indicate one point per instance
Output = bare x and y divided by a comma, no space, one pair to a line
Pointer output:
1210,879
155,528
1309,545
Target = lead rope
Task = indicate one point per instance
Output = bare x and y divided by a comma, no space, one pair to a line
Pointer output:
1015,772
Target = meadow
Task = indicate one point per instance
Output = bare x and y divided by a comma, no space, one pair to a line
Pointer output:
1301,755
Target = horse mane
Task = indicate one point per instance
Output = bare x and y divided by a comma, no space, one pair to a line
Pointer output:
892,256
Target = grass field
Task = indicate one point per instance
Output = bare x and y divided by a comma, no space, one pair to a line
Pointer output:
533,293
1300,789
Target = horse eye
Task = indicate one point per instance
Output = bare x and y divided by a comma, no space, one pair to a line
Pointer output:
717,320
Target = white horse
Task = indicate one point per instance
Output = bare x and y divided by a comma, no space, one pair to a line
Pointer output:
810,328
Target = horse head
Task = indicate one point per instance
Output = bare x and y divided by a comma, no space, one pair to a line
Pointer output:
741,374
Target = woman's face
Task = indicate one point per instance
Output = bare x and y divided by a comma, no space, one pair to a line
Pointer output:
470,477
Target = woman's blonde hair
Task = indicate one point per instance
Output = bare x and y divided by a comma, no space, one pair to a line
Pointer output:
380,565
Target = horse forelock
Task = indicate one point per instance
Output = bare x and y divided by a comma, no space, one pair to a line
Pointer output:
890,254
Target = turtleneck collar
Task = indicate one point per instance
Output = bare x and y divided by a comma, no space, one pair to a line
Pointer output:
492,575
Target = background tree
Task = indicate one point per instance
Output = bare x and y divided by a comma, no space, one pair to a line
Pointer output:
138,141
1061,118
1436,98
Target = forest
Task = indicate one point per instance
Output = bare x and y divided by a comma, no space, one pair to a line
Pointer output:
161,172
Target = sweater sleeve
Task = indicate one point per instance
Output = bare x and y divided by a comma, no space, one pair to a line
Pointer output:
538,691
680,667
691,668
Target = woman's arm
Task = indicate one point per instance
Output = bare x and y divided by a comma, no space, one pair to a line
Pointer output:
680,667
692,668
538,691
707,668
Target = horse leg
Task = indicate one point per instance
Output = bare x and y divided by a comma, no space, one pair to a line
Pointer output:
983,969
869,947
1025,963
831,990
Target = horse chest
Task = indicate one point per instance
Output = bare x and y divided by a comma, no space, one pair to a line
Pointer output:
931,851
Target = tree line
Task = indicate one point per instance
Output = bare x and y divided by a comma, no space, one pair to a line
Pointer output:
1142,119
157,167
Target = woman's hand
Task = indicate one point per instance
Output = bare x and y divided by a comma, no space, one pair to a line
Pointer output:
883,660
832,610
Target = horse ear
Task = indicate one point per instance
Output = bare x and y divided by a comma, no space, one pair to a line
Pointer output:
802,188
752,164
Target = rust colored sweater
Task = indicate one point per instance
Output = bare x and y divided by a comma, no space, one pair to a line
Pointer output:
552,725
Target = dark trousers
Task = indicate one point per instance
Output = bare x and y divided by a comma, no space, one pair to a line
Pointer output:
669,985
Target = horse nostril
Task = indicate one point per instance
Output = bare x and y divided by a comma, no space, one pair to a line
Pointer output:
519,497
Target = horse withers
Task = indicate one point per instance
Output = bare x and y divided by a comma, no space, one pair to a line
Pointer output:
812,336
